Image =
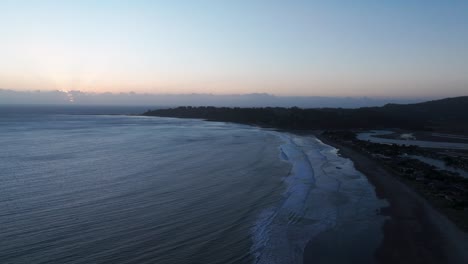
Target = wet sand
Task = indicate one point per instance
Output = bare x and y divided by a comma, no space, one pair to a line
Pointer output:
414,232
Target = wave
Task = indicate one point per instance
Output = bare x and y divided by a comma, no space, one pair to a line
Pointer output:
322,192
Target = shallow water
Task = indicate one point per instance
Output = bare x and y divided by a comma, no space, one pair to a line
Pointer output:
439,164
372,136
120,189
326,198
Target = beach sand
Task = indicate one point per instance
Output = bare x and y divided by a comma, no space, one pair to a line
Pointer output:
415,232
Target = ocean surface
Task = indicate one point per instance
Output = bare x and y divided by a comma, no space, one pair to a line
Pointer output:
84,185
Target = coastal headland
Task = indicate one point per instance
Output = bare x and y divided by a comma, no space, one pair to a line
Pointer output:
427,211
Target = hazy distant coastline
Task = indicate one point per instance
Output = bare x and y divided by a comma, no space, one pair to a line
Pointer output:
75,97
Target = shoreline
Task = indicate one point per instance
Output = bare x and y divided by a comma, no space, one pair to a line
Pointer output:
415,232
325,198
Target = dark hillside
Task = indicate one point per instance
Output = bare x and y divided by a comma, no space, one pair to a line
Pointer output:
451,112
450,109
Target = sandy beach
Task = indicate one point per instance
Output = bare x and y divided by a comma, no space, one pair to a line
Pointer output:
414,232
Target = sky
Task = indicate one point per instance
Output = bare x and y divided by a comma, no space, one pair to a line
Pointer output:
411,48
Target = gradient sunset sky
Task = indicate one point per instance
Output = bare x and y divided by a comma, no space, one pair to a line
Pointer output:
325,48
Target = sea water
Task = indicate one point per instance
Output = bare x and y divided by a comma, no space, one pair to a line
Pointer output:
83,188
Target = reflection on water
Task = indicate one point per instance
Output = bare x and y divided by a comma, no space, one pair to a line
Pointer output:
439,164
372,136
94,189
119,189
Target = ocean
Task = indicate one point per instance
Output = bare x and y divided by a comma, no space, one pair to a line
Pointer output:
89,185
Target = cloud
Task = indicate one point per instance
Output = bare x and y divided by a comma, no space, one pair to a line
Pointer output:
162,100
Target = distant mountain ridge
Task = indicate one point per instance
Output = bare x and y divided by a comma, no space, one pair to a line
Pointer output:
447,114
74,97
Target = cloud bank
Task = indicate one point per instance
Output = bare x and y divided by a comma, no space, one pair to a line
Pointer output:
8,97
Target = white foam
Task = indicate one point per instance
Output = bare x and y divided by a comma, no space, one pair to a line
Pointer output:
323,190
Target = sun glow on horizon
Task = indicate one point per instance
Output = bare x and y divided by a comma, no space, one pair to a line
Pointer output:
245,47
